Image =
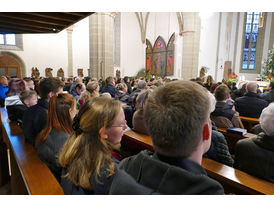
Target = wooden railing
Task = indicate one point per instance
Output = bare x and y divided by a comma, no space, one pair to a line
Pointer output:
233,180
29,175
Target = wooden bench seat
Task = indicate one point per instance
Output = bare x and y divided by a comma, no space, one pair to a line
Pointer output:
249,122
232,138
233,180
29,175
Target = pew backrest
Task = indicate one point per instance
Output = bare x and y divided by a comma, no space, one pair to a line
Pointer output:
29,175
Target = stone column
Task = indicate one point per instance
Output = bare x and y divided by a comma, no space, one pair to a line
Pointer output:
101,45
191,43
70,59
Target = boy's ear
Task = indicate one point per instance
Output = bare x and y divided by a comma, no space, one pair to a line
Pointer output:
206,131
102,133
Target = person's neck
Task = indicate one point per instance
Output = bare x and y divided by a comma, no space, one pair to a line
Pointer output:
196,156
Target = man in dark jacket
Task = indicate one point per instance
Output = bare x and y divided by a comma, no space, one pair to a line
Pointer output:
255,155
251,104
181,134
110,87
269,95
35,117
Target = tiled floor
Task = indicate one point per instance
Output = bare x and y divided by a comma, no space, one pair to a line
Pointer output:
5,190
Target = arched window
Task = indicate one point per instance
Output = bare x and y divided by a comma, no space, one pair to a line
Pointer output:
250,40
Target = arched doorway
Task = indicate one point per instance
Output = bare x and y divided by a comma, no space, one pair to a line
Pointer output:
9,67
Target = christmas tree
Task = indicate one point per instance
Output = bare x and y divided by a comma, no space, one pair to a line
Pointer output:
268,66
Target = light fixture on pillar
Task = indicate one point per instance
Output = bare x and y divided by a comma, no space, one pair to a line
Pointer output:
261,20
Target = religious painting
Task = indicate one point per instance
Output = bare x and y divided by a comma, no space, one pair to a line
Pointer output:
170,56
48,72
159,57
60,73
80,72
148,56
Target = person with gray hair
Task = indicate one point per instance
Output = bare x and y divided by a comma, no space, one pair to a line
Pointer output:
251,104
141,85
255,155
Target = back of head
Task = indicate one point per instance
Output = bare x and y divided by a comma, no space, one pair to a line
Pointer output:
142,84
92,86
85,152
59,116
16,86
142,98
120,86
27,94
109,80
267,119
4,81
251,87
48,85
175,115
221,92
78,80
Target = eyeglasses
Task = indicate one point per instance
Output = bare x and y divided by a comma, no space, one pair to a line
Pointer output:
122,125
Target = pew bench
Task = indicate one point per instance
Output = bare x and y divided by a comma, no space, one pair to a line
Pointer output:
233,180
29,175
249,122
232,138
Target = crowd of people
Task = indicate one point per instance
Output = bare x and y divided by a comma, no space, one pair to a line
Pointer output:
76,126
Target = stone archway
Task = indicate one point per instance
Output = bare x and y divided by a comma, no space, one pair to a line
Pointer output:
15,58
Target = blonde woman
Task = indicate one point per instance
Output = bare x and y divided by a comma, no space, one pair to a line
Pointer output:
92,90
88,166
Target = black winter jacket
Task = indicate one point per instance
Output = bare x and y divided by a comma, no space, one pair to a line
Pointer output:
179,176
48,151
34,120
256,156
250,105
219,150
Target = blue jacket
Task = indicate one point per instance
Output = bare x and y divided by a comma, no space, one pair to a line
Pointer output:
3,91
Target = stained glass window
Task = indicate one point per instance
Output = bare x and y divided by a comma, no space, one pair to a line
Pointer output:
251,34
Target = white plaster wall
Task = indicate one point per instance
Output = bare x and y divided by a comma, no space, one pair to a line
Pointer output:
132,48
208,42
50,50
80,45
44,50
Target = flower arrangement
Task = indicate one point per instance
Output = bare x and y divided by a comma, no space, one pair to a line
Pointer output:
232,78
268,66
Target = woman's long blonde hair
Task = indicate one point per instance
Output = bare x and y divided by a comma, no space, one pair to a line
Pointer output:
85,153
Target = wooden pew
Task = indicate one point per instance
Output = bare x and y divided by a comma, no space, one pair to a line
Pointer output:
233,180
29,175
249,122
232,138
236,181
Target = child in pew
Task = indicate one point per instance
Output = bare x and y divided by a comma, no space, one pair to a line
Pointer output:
177,119
255,155
61,111
88,166
13,104
28,97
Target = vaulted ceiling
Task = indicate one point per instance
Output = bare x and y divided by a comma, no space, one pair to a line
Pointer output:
38,22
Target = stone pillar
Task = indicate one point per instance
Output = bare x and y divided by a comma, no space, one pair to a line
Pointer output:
191,43
70,59
101,45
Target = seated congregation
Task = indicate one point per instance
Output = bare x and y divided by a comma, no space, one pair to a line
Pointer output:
76,127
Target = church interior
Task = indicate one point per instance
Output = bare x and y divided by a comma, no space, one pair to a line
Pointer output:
230,55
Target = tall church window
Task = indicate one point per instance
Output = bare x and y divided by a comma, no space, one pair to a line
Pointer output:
250,44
